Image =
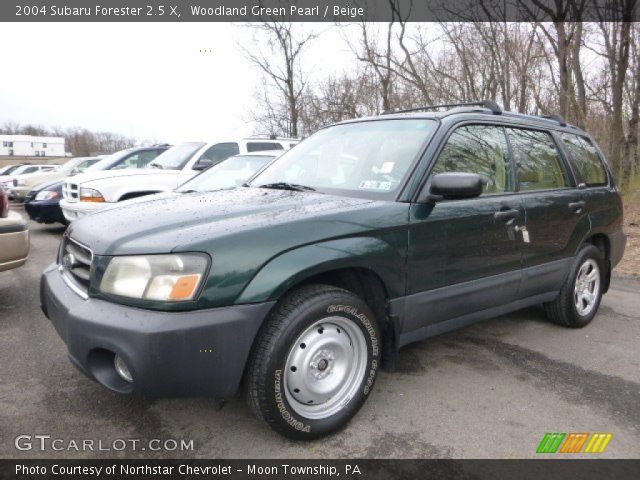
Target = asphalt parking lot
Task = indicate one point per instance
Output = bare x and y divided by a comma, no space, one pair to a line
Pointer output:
488,391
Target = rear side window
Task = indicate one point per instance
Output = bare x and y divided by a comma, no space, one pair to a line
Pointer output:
258,146
480,149
586,158
538,160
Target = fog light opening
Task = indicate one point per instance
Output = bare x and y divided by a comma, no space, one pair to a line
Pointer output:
122,369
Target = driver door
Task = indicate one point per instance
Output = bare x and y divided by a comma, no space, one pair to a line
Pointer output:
465,255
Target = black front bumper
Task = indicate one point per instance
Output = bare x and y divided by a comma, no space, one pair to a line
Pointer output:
202,352
44,211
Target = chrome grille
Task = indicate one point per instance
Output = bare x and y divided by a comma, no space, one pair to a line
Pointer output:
75,264
70,192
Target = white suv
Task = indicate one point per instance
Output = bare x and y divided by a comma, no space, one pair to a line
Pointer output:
94,191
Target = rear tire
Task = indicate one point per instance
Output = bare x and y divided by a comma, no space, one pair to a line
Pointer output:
315,362
580,296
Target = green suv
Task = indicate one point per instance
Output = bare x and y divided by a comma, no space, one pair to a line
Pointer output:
297,287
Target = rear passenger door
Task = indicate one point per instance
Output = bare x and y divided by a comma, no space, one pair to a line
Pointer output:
593,179
555,217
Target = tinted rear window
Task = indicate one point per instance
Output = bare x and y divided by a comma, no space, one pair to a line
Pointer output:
258,146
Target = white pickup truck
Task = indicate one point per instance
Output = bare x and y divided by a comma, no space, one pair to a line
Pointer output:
93,191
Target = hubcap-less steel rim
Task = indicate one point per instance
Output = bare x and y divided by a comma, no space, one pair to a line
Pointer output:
325,367
587,287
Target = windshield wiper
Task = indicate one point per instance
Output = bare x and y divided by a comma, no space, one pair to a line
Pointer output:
155,165
288,186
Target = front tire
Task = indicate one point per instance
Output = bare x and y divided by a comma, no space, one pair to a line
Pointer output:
580,296
314,363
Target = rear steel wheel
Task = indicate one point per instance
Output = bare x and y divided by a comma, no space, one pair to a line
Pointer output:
579,298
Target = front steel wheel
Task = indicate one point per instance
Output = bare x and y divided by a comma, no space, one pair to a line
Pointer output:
314,363
325,367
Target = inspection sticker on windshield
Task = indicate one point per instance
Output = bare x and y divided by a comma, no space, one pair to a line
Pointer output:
387,167
375,185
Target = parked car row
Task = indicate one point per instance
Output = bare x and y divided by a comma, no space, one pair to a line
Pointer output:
60,194
14,173
96,190
297,278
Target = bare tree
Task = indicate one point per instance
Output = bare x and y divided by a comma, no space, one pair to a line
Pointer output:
280,63
616,38
378,55
631,158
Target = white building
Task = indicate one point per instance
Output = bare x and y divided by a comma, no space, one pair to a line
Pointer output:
31,146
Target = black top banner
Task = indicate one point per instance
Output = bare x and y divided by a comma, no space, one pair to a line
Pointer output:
317,10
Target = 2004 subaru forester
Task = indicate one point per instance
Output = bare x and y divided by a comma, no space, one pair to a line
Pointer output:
369,235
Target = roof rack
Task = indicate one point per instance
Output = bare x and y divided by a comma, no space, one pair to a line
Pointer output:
488,104
558,118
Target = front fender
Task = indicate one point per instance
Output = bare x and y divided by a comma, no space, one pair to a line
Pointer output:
294,266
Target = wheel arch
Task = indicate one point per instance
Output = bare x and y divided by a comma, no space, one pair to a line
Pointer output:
367,267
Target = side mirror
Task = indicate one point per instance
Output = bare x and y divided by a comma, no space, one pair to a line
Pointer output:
203,164
452,185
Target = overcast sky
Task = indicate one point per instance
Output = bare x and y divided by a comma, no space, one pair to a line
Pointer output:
146,80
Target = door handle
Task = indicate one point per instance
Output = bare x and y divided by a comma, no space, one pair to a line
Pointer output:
577,206
506,214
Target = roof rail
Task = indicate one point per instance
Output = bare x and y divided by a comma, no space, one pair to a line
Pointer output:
488,104
558,118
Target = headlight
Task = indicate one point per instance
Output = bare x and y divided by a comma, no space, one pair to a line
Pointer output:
90,195
168,278
46,195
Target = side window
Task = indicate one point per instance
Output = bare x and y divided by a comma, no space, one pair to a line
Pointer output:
586,158
257,146
30,170
480,149
221,151
538,160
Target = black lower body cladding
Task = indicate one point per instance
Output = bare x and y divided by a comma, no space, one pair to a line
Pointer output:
168,353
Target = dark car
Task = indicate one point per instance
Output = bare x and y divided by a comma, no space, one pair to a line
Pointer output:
369,235
42,203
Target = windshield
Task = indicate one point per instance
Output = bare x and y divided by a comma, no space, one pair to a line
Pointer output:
108,161
177,157
230,173
71,165
82,166
9,169
366,159
21,169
